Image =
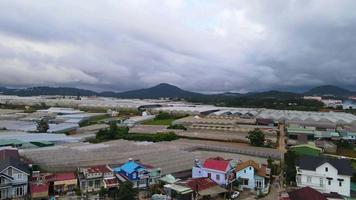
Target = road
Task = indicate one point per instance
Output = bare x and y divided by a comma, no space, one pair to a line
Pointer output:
281,141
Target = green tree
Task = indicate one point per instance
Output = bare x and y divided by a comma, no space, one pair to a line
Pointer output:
163,115
113,130
103,191
127,192
42,126
290,161
256,137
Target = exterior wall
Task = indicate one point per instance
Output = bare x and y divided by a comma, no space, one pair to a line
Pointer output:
65,185
318,180
5,193
39,195
247,173
91,185
20,180
216,176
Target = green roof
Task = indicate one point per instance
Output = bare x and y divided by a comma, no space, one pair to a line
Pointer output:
300,131
43,143
10,142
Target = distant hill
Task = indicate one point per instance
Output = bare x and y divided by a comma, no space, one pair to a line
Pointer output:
158,91
162,90
170,91
37,91
329,90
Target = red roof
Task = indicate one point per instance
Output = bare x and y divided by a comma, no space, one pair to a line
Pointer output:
64,176
38,188
217,163
112,182
99,169
198,184
306,193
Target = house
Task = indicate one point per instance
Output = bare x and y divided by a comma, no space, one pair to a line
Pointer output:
348,135
64,182
252,175
204,188
13,175
141,175
217,169
92,179
178,191
39,190
324,174
265,122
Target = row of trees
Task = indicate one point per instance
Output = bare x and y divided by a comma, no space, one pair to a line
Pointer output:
282,101
114,132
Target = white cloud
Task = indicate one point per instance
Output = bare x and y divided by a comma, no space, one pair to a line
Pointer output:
211,45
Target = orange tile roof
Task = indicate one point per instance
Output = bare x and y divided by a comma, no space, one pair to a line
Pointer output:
261,170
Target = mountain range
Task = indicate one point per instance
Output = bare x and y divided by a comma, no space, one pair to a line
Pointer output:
171,91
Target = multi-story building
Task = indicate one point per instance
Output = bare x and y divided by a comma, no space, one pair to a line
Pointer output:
92,179
324,174
13,175
218,169
252,175
141,175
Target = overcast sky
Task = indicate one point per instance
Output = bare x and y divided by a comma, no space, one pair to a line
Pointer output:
200,45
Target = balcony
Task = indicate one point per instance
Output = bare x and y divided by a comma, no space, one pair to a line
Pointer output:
5,185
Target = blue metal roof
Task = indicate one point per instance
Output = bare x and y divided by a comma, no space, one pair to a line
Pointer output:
130,167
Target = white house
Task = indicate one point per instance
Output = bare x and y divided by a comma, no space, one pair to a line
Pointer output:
348,135
252,175
324,174
219,170
13,177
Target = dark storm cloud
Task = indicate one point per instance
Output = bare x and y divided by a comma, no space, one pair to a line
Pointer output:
198,45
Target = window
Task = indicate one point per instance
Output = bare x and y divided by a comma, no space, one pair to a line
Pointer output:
209,175
19,191
340,183
19,176
249,168
97,183
309,179
245,171
244,181
326,169
217,177
321,182
329,182
90,183
258,183
142,181
134,175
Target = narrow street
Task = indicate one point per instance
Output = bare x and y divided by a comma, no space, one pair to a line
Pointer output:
281,140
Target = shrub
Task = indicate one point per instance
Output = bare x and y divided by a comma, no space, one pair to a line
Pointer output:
177,126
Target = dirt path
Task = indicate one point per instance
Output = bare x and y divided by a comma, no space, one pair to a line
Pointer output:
281,141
